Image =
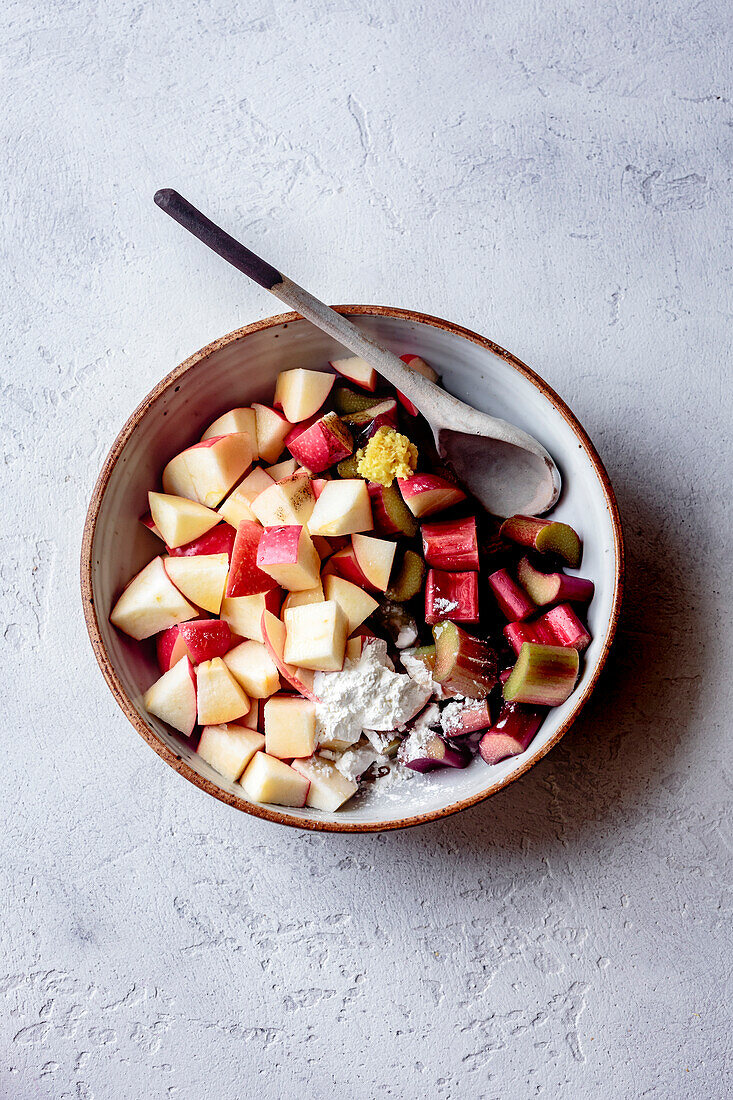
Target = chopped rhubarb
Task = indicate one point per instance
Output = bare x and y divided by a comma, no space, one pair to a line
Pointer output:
544,675
347,400
512,732
544,535
566,628
552,588
451,544
460,719
390,513
424,755
451,596
409,579
519,633
463,664
348,467
513,601
219,540
369,420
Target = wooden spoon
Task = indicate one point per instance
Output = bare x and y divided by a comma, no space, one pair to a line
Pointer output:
504,467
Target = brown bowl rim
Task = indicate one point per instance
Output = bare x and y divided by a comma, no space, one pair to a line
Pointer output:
172,758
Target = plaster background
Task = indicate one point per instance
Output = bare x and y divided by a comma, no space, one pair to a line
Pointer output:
555,176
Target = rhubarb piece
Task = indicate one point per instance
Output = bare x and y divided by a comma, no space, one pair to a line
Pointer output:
179,520
513,601
519,633
228,748
326,442
451,544
367,422
463,664
208,470
419,365
409,579
451,596
348,401
348,467
387,455
287,502
424,754
544,675
375,558
269,780
300,393
206,639
315,636
150,603
425,654
343,508
290,727
219,540
565,627
425,494
553,588
545,536
172,698
358,371
463,719
391,514
512,732
328,788
245,577
273,632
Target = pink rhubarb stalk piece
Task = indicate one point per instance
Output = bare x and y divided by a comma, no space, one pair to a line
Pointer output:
566,628
451,596
545,536
425,757
464,665
544,675
513,732
451,544
552,588
368,421
513,601
219,540
462,719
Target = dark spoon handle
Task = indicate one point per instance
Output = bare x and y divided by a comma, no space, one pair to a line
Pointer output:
216,239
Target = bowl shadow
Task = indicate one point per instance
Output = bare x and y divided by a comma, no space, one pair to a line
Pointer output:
622,748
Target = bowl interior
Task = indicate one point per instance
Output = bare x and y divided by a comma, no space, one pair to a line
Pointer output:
242,368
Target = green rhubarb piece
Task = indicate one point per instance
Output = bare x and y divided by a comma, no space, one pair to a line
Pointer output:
409,580
397,511
348,467
546,536
463,664
544,675
349,401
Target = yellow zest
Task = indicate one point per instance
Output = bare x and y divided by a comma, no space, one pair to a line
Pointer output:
387,455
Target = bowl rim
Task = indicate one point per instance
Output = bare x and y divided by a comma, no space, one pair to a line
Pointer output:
280,816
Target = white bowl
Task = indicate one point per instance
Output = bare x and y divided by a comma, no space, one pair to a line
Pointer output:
241,368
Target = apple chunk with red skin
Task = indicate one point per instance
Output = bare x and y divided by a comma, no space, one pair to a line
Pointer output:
375,558
290,726
219,540
273,631
315,636
323,444
179,520
228,748
343,508
357,370
425,494
269,780
244,613
419,365
170,647
150,603
202,579
300,393
207,471
234,422
206,639
288,555
245,577
172,698
238,505
272,427
220,698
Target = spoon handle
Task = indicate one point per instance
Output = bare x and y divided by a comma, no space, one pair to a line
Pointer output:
413,385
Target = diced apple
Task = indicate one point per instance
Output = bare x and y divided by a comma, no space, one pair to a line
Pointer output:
172,698
357,370
202,579
207,471
344,564
244,613
252,666
300,393
228,748
273,631
343,508
147,521
425,494
323,444
283,469
220,698
234,422
179,520
290,501
269,780
287,554
245,577
451,596
219,540
205,639
170,647
272,428
421,367
356,604
307,595
290,726
375,558
367,422
150,603
323,546
315,636
451,544
329,789
255,720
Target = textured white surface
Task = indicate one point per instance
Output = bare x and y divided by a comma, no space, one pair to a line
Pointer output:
558,178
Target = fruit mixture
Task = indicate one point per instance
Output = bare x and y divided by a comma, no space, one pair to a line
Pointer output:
332,608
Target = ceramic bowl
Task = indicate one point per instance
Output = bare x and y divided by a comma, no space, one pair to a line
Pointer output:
241,368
